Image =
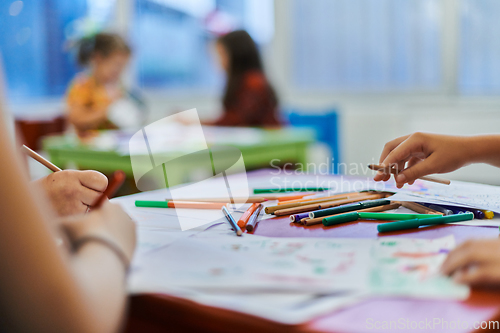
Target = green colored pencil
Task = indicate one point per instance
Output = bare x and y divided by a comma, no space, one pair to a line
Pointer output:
411,224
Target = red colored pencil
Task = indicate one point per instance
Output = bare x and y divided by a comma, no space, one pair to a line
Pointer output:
113,186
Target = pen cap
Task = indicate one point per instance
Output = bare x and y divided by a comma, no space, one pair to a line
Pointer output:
342,218
151,204
298,217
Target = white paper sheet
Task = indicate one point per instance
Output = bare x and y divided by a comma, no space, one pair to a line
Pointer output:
458,193
213,262
282,279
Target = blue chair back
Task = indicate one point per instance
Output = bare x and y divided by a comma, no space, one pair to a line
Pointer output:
325,124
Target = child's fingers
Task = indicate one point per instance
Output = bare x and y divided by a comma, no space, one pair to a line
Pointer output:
379,176
403,152
418,170
478,275
464,255
413,161
389,146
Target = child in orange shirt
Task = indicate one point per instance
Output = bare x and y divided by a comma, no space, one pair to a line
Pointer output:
91,93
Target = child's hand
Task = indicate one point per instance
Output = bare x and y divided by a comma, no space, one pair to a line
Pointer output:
72,191
423,154
109,222
475,262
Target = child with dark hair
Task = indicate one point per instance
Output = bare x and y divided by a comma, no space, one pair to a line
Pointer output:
91,93
249,99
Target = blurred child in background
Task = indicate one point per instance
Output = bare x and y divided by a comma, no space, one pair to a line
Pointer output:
249,99
92,92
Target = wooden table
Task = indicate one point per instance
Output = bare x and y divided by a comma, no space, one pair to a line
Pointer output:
159,313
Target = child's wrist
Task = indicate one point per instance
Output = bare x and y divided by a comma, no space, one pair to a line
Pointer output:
478,148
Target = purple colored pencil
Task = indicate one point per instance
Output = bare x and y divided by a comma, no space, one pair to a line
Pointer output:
298,217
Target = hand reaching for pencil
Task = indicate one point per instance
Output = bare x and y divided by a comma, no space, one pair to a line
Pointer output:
72,191
423,154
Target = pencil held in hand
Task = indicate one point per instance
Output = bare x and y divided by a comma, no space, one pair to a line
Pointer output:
37,157
395,171
113,186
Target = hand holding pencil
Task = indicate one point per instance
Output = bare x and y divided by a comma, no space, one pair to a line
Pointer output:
69,191
423,154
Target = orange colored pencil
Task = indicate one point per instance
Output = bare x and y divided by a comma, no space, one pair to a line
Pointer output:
286,197
319,198
328,204
196,205
242,222
292,197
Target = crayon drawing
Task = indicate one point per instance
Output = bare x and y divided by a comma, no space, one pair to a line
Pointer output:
254,263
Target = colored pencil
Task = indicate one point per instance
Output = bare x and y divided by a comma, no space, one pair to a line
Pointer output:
37,157
443,210
282,198
113,186
416,223
289,189
354,216
242,222
488,214
320,198
299,217
319,220
231,221
286,197
272,209
328,204
340,218
393,216
349,208
418,208
396,171
254,219
221,200
478,214
182,204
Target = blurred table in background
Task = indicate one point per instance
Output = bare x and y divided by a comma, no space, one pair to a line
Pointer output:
108,151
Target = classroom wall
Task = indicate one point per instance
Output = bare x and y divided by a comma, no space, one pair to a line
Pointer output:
367,121
367,127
